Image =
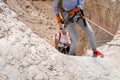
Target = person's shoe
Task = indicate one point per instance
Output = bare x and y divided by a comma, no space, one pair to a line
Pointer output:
97,53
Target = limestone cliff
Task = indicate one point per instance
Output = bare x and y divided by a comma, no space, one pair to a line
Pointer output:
26,56
39,16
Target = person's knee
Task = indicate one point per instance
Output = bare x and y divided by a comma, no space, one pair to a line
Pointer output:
90,33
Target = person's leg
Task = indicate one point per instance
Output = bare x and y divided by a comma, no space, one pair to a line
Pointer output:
75,38
60,49
70,27
88,30
64,50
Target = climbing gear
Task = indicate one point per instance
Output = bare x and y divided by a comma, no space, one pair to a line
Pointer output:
80,15
74,11
70,19
97,53
66,20
84,21
104,28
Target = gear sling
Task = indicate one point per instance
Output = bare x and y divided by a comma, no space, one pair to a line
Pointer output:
81,13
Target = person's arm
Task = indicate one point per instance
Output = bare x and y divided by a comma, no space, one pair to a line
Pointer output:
56,40
56,43
55,6
56,10
79,7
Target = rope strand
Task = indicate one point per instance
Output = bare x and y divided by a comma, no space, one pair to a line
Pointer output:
101,27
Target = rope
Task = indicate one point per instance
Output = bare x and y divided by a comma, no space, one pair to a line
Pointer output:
102,66
101,27
102,41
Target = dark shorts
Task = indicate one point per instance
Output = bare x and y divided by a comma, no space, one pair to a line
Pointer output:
64,50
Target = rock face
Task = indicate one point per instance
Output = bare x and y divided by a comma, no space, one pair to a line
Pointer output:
39,16
25,56
105,13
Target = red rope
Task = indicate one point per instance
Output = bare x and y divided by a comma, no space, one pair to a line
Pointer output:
105,28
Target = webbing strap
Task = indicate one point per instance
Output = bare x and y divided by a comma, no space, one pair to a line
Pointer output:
61,8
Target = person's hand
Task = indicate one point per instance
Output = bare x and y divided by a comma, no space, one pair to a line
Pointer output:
59,20
72,12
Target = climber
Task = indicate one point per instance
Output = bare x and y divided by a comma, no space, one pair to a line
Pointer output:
63,41
73,7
